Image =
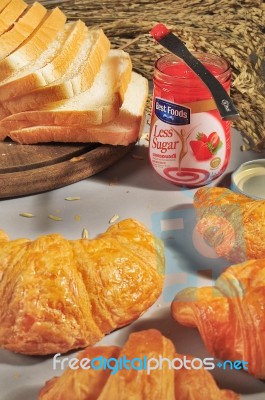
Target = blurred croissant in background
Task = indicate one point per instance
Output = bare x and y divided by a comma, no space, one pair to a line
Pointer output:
58,294
233,224
138,383
230,316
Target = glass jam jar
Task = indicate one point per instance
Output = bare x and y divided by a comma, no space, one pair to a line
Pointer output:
189,142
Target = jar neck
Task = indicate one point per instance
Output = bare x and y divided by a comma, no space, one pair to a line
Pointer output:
171,70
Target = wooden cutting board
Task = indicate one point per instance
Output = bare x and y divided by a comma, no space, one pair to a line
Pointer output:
31,169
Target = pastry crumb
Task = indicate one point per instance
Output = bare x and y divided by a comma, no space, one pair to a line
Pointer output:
77,218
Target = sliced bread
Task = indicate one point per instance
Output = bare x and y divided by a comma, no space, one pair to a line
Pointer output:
123,130
32,48
52,65
97,105
21,29
10,13
78,77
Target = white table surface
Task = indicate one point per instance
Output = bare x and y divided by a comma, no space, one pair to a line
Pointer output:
130,189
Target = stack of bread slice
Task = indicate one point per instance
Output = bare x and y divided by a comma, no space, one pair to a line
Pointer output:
61,81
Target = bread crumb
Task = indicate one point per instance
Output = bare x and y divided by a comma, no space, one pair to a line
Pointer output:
113,219
77,218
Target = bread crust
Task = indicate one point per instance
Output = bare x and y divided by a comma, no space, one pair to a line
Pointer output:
10,14
3,4
75,134
99,113
51,93
126,128
28,22
35,45
45,75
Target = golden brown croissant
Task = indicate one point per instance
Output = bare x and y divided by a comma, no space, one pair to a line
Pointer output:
135,382
232,223
58,294
230,316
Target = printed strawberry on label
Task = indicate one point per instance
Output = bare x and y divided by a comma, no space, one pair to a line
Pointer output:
205,147
202,137
201,150
214,139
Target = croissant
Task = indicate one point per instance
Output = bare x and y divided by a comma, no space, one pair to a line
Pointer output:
232,223
136,381
58,294
230,316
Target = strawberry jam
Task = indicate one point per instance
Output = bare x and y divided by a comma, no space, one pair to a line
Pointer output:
189,142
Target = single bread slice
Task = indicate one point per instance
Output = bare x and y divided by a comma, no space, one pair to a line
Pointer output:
52,65
10,14
78,77
32,48
97,105
123,130
21,29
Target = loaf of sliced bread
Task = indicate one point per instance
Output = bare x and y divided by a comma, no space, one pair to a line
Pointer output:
97,105
123,130
10,13
52,64
21,29
36,43
78,77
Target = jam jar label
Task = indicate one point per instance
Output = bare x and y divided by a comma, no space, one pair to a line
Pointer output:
189,153
171,113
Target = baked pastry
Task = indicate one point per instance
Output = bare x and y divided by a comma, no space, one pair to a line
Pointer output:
134,382
58,294
232,223
230,315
